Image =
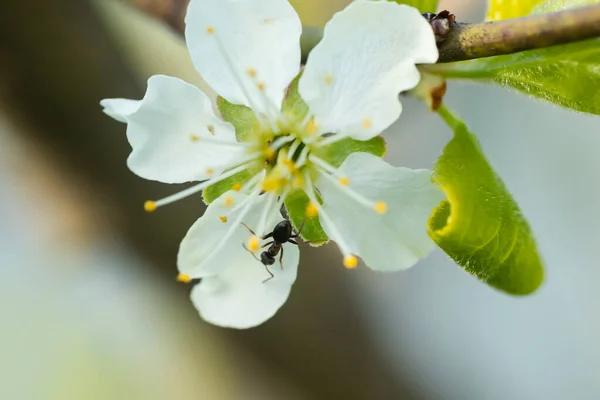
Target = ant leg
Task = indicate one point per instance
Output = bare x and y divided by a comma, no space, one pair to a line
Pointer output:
247,227
248,250
300,230
270,273
267,236
281,258
267,244
293,242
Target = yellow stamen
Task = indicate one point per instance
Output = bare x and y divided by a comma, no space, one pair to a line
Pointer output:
271,184
253,243
210,30
311,127
237,187
344,181
209,171
223,218
328,79
260,86
150,206
251,72
269,152
350,261
298,181
367,123
312,210
290,164
228,201
194,138
380,207
184,278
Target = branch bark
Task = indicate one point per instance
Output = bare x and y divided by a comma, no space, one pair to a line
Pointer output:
470,41
465,41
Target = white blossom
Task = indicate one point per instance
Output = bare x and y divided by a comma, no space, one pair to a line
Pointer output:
248,52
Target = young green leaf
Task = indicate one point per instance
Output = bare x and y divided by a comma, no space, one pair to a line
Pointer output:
566,75
479,225
423,5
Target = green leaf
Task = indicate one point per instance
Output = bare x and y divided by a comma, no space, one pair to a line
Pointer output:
294,108
241,117
336,153
423,5
567,75
295,204
479,225
214,191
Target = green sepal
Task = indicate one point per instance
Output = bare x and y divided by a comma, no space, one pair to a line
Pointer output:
336,153
422,5
294,108
214,191
479,224
295,204
241,117
565,75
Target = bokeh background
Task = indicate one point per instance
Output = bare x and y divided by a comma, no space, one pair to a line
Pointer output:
90,308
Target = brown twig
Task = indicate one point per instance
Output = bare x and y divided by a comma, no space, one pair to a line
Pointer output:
464,41
470,41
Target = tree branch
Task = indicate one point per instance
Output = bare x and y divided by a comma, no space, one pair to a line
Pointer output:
470,41
464,41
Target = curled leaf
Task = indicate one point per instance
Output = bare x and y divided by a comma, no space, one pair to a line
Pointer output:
480,225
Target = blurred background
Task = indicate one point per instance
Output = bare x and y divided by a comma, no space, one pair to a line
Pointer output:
90,308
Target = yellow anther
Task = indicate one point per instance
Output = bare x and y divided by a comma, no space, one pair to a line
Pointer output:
350,261
312,210
380,207
311,127
328,79
290,164
228,201
210,30
260,86
344,181
272,184
367,123
298,181
223,218
251,72
209,171
211,129
184,278
253,243
194,138
237,187
150,206
269,152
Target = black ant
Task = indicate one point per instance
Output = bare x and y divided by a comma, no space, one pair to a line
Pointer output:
282,233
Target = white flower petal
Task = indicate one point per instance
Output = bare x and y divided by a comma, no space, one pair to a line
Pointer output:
397,239
238,298
367,56
120,109
165,130
257,35
232,292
